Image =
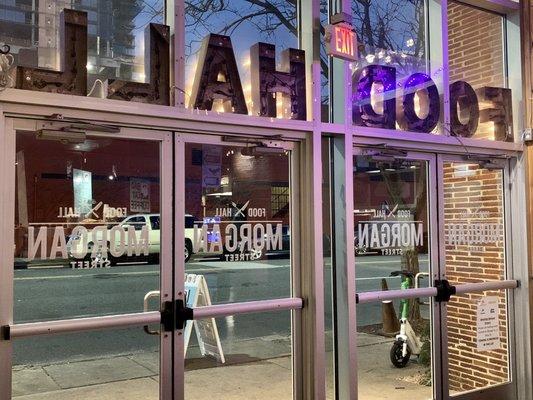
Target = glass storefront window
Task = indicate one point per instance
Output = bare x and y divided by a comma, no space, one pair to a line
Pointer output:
82,210
325,65
115,34
476,44
246,23
397,83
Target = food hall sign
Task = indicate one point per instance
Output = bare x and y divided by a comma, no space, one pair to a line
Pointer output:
217,79
217,59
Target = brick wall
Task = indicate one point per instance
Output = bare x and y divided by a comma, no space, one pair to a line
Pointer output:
476,52
473,199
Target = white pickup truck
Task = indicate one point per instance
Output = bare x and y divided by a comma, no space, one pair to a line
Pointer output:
137,236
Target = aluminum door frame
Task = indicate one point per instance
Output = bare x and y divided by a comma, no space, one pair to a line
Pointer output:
512,228
8,130
304,331
433,247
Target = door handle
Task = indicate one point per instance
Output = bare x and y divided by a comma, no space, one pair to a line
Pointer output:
150,295
418,277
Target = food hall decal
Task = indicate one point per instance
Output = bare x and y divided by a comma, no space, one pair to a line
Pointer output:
475,230
391,235
239,241
108,212
99,242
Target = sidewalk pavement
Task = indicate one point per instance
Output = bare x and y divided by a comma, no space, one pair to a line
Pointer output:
251,374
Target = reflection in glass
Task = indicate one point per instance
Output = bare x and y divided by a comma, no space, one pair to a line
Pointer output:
257,365
237,249
325,64
392,32
87,226
115,42
246,22
329,270
392,253
87,244
238,218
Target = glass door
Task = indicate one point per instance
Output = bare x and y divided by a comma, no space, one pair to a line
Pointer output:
396,262
433,276
475,255
90,223
238,269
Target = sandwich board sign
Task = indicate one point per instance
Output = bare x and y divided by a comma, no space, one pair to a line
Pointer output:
197,295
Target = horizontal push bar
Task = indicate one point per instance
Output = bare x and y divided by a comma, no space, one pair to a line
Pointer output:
224,310
442,291
165,317
81,325
387,295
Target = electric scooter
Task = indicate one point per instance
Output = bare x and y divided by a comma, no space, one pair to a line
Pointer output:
407,343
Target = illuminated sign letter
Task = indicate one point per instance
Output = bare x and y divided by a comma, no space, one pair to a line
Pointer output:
362,109
429,104
156,68
72,77
217,77
463,99
501,112
266,81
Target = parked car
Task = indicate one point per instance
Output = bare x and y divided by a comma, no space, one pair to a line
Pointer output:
151,222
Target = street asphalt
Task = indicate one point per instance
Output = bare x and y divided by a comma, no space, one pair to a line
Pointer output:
60,293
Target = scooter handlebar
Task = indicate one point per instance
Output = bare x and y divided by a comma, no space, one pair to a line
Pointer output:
405,273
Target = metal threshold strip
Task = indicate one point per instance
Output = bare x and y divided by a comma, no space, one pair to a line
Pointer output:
436,291
146,318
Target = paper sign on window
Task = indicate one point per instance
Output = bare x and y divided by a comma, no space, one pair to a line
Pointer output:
488,328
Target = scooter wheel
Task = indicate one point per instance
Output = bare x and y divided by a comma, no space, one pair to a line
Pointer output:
396,356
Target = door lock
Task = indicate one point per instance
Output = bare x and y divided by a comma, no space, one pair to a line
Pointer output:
183,314
174,315
444,291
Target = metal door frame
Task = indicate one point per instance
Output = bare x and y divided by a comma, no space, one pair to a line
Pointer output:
433,260
516,280
301,297
8,130
512,227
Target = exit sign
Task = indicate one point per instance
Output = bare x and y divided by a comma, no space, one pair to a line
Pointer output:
341,41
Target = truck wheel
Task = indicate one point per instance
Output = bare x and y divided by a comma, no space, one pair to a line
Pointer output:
188,250
153,258
396,355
